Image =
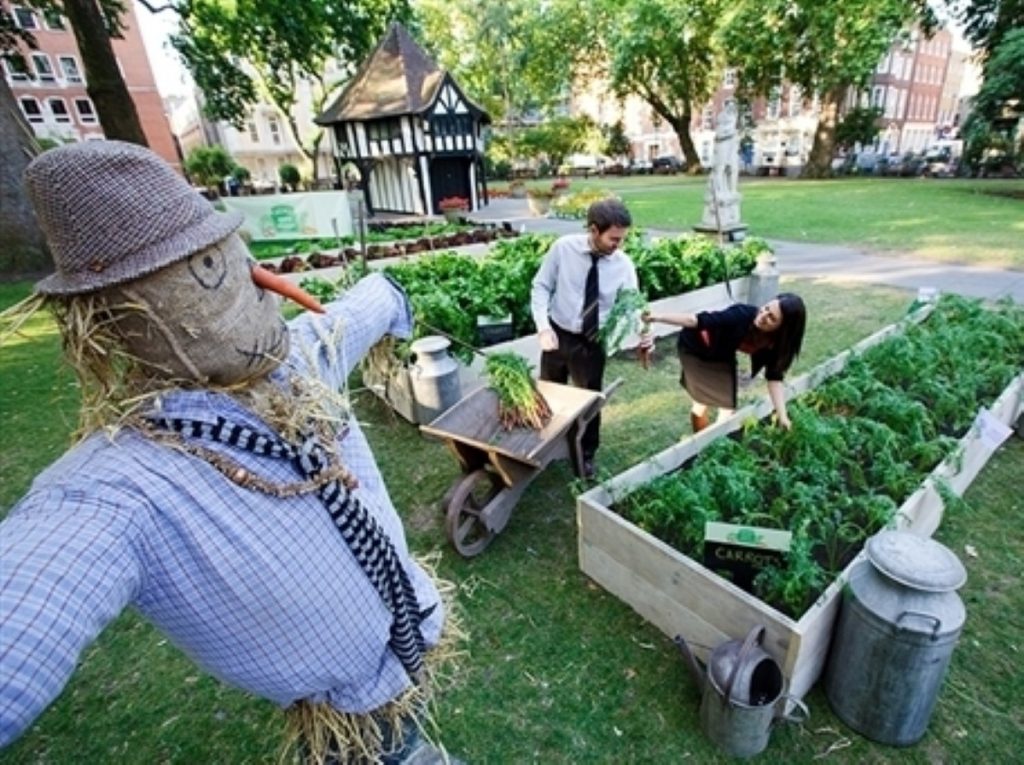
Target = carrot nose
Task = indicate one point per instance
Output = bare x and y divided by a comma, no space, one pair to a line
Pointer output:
268,280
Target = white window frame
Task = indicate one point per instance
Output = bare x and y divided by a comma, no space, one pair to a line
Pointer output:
16,75
69,76
89,118
62,117
707,118
729,78
60,26
38,118
773,108
16,12
274,125
796,100
254,132
45,73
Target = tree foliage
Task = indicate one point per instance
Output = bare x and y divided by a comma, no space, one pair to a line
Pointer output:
987,22
243,51
825,48
998,106
209,165
516,58
859,125
667,53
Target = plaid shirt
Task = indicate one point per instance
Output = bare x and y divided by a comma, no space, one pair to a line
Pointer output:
261,592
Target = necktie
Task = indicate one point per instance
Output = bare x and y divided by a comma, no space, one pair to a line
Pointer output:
590,301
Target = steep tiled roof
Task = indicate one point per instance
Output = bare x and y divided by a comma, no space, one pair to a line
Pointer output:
397,78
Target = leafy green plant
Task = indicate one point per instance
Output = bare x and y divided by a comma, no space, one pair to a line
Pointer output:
520,403
623,319
860,444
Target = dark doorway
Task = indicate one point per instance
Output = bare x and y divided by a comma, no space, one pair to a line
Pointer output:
449,178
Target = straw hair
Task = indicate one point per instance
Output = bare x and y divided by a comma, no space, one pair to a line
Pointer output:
114,211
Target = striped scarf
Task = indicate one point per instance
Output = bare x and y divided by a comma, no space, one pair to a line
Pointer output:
364,536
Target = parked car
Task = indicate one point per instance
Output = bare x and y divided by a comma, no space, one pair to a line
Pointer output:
667,164
639,167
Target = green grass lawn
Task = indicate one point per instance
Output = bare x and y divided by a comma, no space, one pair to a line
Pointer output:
556,669
979,222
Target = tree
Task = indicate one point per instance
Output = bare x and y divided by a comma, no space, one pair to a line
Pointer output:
998,107
209,166
666,52
987,22
556,138
859,125
825,48
247,50
616,142
24,250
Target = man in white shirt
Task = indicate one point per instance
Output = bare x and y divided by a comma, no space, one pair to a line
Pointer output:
573,293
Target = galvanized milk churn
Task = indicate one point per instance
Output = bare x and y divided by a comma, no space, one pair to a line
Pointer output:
434,376
741,694
899,621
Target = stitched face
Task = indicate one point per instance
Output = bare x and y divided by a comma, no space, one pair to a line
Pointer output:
203,319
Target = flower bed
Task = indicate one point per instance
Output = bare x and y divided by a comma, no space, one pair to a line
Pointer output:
834,480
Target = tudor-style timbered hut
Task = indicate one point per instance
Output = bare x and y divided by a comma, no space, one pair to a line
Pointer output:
414,135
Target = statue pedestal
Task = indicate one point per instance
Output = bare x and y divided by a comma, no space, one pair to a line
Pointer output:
736,232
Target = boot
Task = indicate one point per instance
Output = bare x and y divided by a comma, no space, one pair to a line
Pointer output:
698,422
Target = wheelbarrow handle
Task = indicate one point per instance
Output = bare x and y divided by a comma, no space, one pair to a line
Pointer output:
614,386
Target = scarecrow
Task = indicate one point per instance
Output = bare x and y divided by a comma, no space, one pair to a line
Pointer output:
220,485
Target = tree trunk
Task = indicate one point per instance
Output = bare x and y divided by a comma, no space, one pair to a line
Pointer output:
24,251
682,128
106,86
819,163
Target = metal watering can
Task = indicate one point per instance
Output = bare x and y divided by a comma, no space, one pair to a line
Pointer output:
741,694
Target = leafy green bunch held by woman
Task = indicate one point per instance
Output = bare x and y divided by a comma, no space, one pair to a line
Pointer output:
520,403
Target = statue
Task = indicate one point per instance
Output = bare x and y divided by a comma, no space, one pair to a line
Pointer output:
722,198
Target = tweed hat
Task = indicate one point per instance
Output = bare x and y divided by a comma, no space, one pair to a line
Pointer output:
112,212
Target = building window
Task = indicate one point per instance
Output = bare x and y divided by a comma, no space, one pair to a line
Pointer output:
69,68
383,130
729,78
25,17
254,133
275,130
86,113
30,107
59,110
53,20
43,67
17,69
774,104
796,100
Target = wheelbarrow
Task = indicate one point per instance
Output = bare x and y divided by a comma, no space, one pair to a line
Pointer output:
497,465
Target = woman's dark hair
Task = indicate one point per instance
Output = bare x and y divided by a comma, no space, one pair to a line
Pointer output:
606,213
791,333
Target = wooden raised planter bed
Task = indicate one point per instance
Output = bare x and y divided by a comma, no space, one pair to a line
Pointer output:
681,597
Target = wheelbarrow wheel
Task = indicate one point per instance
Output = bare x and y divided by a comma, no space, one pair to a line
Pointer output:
463,523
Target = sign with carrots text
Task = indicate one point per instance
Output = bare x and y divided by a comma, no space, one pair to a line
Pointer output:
304,215
739,553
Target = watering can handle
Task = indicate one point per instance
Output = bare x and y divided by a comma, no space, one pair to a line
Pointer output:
799,714
756,635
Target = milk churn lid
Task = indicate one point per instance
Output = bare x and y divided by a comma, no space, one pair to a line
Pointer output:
430,344
916,561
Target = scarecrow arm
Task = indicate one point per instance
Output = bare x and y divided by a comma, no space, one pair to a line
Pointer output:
68,569
335,342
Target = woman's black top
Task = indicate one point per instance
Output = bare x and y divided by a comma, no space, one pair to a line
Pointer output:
719,334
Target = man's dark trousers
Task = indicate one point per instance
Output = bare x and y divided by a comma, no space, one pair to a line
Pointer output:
581,361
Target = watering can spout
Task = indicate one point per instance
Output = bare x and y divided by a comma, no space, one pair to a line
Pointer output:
699,676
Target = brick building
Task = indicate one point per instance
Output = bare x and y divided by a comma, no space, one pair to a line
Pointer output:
50,87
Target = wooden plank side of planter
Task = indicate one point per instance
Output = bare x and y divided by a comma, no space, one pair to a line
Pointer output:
679,596
923,510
